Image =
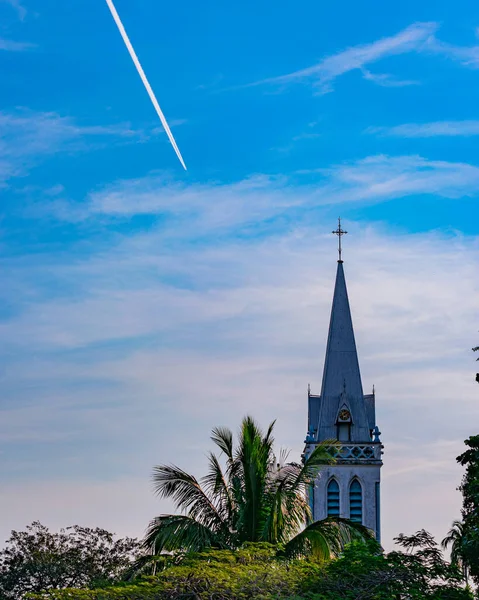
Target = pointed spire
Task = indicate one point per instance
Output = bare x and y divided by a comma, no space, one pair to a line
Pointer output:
341,375
341,367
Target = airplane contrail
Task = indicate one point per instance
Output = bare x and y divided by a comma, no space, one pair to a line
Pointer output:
146,83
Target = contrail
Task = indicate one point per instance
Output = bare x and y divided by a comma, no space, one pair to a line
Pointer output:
146,83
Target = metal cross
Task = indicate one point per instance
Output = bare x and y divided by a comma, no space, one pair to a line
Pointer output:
339,232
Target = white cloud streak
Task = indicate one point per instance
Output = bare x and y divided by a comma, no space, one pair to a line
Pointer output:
385,80
468,56
411,39
144,79
28,136
378,178
425,130
419,38
199,209
18,6
13,46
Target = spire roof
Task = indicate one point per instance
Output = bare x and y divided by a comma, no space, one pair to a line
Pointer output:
341,373
341,387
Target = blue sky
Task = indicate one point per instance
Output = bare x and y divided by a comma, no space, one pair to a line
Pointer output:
142,305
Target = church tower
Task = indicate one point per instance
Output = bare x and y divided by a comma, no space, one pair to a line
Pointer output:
350,488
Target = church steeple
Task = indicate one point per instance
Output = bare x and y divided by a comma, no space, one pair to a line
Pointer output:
349,488
342,388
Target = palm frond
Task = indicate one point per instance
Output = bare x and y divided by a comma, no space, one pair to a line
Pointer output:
217,486
186,492
268,439
255,456
179,532
326,539
223,438
322,455
454,534
455,538
295,478
287,505
283,457
288,486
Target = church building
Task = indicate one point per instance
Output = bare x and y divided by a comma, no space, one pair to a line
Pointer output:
350,488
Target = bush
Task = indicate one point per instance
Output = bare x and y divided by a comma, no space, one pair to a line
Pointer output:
252,572
362,572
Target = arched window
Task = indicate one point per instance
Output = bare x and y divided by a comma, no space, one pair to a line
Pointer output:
333,498
356,502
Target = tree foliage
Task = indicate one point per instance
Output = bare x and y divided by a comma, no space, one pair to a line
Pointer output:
255,571
418,572
470,506
457,539
256,497
37,559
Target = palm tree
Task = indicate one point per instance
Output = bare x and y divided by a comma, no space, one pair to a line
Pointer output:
256,498
456,538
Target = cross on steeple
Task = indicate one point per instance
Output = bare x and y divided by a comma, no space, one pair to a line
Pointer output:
339,232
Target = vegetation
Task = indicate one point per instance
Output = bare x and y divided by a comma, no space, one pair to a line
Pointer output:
456,538
36,559
256,498
419,571
256,572
250,572
467,544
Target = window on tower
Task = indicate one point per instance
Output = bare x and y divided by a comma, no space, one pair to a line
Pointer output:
356,502
333,498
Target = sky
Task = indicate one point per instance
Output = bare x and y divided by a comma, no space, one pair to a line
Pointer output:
142,305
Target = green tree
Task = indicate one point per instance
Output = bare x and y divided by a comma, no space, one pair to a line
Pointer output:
255,498
37,559
418,572
362,572
456,538
252,572
470,506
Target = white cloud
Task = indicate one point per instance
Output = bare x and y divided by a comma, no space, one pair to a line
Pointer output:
323,74
378,178
27,136
212,206
18,6
156,342
13,46
433,129
26,131
468,56
386,80
197,209
418,37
